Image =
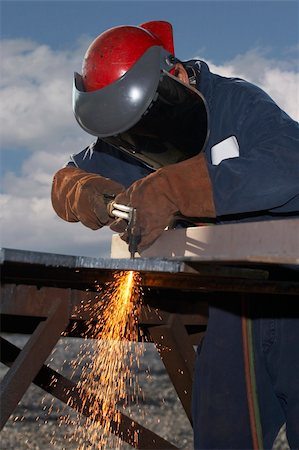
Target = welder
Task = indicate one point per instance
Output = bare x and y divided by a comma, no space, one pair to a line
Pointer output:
173,139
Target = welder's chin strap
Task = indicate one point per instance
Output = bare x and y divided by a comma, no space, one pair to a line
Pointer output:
184,187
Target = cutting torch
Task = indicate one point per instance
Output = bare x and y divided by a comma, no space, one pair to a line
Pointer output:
129,214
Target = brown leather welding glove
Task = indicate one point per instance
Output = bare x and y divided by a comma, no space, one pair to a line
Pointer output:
78,196
184,187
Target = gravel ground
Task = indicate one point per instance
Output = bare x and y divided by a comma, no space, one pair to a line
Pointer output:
41,422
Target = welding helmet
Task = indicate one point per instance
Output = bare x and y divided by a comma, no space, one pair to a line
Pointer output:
128,96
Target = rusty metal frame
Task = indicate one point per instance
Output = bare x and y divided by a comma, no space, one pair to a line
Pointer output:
29,301
30,360
57,293
178,356
66,390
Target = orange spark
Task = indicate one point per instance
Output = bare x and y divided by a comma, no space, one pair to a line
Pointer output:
110,374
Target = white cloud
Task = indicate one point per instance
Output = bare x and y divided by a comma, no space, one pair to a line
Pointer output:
36,114
29,223
35,95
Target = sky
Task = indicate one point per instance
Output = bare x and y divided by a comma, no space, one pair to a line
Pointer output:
44,42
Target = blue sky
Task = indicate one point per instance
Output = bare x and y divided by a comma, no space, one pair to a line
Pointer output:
220,29
43,43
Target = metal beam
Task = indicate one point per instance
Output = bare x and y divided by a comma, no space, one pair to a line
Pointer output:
176,292
178,355
41,270
33,355
67,391
23,300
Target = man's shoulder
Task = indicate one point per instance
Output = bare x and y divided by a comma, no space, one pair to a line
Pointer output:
240,95
237,85
227,88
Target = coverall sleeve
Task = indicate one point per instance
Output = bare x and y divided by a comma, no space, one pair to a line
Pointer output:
265,176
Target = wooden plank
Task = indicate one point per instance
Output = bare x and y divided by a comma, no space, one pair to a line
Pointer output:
274,241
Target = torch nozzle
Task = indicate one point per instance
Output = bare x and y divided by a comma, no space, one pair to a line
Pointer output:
134,233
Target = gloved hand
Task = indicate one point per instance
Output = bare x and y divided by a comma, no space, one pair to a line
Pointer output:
184,187
78,196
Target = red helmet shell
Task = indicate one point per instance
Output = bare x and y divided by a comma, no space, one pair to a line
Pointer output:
116,50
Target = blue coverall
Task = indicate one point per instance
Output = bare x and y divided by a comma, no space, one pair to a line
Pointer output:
253,159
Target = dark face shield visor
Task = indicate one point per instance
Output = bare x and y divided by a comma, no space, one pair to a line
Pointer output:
147,113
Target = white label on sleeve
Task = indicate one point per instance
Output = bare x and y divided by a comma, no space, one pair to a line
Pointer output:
229,148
